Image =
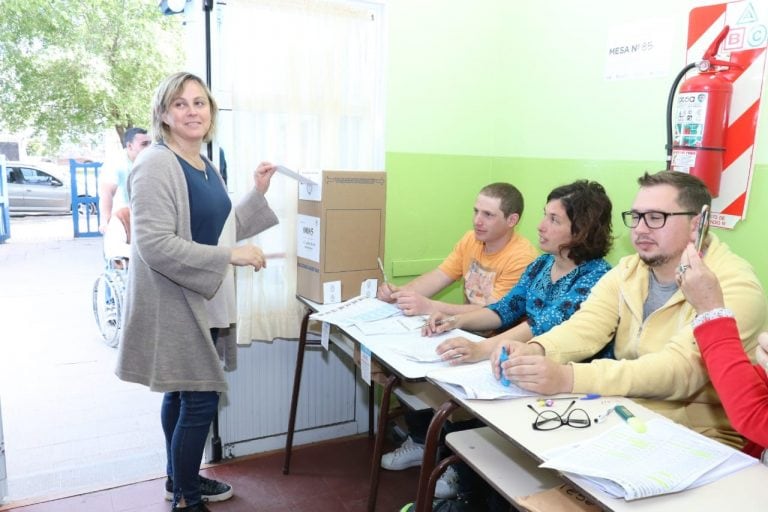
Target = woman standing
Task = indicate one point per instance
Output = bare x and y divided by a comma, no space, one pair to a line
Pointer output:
178,322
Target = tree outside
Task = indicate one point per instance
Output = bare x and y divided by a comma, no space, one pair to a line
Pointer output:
71,69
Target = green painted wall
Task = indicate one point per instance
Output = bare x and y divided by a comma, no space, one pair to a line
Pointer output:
477,93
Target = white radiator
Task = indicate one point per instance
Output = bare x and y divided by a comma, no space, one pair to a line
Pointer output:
254,419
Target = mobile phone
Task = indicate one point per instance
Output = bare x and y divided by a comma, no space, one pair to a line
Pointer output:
701,233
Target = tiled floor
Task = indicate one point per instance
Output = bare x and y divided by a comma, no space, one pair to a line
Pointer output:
329,476
69,424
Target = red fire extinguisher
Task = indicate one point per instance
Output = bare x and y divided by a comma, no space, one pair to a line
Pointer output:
701,119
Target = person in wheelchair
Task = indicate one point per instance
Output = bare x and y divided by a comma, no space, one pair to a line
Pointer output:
109,288
117,238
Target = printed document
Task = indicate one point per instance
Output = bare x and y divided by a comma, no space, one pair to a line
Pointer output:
357,310
476,381
667,458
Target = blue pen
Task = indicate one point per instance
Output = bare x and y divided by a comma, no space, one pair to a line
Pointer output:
502,358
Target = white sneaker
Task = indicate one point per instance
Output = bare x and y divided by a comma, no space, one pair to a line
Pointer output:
447,485
408,455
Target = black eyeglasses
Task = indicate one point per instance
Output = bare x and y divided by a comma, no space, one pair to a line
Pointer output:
654,220
551,420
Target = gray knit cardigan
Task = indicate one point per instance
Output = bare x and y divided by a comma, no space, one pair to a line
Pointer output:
165,341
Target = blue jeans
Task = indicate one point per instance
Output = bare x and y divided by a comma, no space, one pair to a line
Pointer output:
186,417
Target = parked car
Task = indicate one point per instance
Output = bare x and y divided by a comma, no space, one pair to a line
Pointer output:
33,190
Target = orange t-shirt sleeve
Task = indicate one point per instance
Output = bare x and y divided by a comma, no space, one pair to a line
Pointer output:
453,265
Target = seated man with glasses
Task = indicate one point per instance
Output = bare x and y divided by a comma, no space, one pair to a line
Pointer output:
638,304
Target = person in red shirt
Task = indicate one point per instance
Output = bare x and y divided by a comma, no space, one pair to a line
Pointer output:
742,385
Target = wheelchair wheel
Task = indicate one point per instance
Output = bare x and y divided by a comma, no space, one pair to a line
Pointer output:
108,306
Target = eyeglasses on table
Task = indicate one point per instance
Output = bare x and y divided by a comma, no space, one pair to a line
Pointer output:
548,419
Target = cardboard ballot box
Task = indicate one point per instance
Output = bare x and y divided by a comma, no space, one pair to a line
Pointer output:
340,233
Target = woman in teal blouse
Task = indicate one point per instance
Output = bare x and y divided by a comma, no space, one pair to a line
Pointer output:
575,235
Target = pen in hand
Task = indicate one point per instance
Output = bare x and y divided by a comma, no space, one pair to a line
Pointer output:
445,321
503,357
427,330
381,267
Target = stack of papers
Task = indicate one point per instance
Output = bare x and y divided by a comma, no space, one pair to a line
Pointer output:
667,458
476,381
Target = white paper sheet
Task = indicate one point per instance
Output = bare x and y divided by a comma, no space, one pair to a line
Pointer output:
396,324
476,381
357,310
294,175
423,350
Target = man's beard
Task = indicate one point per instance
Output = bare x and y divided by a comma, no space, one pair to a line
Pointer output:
655,261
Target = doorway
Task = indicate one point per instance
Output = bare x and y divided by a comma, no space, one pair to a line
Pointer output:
69,424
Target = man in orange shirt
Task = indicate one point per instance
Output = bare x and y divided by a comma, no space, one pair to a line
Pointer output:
490,258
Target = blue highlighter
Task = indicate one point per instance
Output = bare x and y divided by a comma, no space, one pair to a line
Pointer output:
504,356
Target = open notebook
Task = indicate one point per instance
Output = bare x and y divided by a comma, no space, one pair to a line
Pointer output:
667,458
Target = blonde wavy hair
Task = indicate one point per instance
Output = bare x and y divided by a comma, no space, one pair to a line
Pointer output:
166,92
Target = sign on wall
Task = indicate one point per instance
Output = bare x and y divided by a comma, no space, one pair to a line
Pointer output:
639,50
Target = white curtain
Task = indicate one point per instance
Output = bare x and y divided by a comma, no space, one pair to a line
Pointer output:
304,80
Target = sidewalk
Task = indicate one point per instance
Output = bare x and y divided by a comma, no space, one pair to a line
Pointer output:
69,424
